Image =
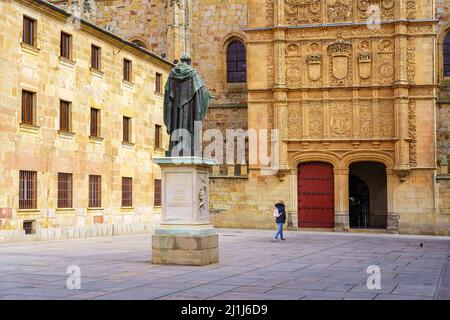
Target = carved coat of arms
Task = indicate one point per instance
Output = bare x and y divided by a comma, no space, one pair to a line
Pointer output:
340,53
315,66
365,65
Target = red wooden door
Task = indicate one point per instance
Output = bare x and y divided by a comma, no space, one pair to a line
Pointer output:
315,195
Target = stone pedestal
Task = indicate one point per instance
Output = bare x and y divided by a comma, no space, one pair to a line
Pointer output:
185,235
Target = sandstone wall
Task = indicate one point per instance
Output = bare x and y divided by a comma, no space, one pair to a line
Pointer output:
44,149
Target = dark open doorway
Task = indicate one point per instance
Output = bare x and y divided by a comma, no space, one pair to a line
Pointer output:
368,196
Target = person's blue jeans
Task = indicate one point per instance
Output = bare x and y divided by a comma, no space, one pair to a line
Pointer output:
280,231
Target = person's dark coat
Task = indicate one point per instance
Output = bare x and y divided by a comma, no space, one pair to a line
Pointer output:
282,210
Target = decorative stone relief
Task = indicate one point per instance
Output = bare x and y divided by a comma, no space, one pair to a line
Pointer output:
365,66
270,7
314,62
412,122
340,62
315,119
386,118
411,9
340,11
303,11
386,58
411,60
366,119
293,71
270,65
295,121
387,8
341,119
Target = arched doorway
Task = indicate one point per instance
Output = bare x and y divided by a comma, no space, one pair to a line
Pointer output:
368,195
359,203
315,195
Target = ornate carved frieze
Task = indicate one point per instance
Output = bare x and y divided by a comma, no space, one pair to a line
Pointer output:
295,121
411,60
270,7
366,119
293,71
315,119
386,119
340,62
340,11
386,59
270,64
384,8
412,134
411,9
303,11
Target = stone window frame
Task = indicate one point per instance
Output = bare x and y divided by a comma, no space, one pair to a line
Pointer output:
223,72
440,54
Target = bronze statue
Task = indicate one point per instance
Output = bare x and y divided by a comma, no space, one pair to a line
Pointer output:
186,101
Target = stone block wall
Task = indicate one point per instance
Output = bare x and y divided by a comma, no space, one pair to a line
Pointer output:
42,148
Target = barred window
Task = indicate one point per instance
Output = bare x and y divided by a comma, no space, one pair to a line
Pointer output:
28,107
66,45
27,190
29,31
65,190
64,116
127,192
236,62
95,191
158,200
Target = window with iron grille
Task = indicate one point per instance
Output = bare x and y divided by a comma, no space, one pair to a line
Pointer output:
446,55
158,83
127,67
64,116
65,190
28,107
28,227
236,62
127,192
95,57
27,190
29,31
95,191
126,129
158,200
66,45
157,136
95,122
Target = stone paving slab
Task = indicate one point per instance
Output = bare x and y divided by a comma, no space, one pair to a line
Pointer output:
309,265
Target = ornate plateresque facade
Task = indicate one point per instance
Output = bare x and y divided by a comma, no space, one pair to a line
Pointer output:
342,91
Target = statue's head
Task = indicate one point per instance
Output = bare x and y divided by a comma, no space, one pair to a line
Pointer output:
186,59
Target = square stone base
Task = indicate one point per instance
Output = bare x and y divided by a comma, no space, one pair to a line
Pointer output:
188,250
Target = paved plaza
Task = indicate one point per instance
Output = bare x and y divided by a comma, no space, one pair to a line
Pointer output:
252,266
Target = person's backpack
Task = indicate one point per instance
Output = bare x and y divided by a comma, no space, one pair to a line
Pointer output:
276,214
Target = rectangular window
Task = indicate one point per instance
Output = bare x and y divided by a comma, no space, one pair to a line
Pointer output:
66,45
95,122
158,200
126,129
29,31
158,83
28,107
27,190
95,57
65,190
64,116
95,191
127,192
127,65
157,136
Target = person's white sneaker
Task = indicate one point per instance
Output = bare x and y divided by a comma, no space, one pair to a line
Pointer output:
275,239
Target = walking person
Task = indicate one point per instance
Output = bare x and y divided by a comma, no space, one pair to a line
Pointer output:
280,215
